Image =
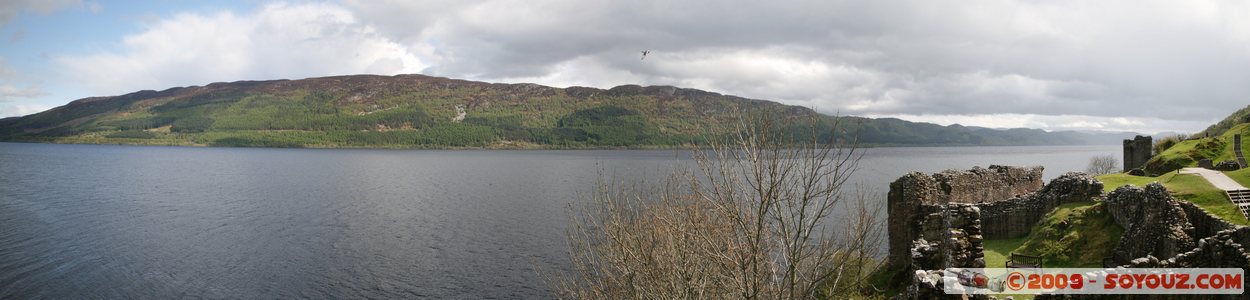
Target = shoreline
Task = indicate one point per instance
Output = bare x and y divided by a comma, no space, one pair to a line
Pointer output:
522,147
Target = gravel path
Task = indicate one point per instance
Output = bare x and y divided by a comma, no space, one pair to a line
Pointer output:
1216,178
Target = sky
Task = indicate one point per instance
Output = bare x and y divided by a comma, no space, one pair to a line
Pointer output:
1144,66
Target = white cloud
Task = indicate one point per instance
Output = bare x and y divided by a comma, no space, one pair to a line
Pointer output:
21,109
276,41
8,92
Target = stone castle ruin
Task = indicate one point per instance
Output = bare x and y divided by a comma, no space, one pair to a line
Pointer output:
958,209
1136,152
1163,232
939,221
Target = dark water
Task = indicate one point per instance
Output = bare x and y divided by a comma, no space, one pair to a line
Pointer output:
94,221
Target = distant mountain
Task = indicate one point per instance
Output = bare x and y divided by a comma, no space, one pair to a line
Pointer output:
417,111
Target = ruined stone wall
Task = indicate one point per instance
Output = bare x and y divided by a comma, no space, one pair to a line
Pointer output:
995,183
902,210
941,221
1220,250
1204,224
949,236
1137,152
1014,217
1154,223
1161,231
909,192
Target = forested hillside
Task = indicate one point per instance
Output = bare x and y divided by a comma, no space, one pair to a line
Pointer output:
1238,117
417,111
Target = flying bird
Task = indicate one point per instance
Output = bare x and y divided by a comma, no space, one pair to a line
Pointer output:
644,54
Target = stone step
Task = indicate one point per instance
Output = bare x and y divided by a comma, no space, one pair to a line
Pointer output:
1241,159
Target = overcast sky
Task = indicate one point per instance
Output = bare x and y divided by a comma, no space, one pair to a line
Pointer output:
1143,66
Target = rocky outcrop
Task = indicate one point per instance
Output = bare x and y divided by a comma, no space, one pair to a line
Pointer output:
1227,165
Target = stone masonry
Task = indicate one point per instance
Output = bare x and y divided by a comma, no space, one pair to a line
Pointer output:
1160,231
910,192
1163,232
933,228
1137,152
940,221
1015,217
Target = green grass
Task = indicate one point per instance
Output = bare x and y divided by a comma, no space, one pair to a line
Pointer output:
1197,190
1190,188
996,251
1112,181
1089,237
1240,176
1188,153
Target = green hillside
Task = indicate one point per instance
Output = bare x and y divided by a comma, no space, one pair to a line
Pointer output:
1240,116
1187,153
417,111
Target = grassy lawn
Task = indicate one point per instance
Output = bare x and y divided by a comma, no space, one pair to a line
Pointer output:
1112,181
1241,176
1227,137
1089,236
1191,188
996,251
1188,153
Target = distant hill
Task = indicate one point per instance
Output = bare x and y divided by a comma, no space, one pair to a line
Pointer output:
1214,143
1240,116
417,111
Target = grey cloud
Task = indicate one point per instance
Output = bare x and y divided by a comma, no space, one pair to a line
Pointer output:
1173,60
10,8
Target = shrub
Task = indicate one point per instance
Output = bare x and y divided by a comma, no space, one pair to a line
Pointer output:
192,124
1166,142
1102,164
749,222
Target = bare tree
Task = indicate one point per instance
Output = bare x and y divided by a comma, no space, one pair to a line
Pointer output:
1102,164
750,221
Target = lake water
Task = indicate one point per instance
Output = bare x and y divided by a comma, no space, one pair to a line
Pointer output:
101,221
